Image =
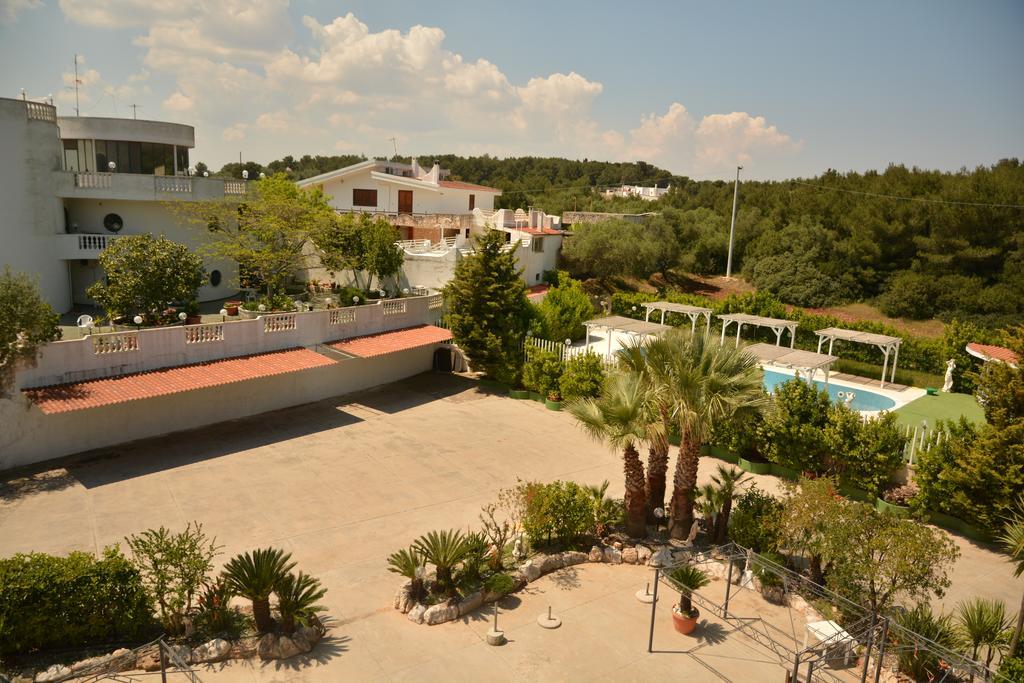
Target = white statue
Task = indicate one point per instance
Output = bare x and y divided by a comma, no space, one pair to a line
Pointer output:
517,550
747,577
947,386
849,397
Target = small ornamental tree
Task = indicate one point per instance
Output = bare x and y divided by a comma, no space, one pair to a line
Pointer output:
792,433
145,274
381,257
487,308
26,323
564,309
265,231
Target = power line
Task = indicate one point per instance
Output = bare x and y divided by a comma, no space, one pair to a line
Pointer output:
906,199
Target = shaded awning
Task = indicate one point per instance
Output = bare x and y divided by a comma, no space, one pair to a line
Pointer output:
384,343
886,343
799,359
776,325
94,393
620,323
692,312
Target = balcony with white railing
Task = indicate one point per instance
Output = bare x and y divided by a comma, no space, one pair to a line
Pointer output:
142,187
81,245
117,353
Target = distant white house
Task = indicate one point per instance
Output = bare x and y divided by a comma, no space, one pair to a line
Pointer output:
648,193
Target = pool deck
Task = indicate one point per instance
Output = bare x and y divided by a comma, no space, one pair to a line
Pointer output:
900,394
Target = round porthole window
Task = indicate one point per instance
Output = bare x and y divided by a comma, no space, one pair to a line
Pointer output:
214,277
113,222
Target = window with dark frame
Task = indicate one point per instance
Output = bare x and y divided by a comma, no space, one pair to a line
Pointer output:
364,197
472,202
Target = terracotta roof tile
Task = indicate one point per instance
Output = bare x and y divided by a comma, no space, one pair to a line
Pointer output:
459,185
62,398
995,352
389,342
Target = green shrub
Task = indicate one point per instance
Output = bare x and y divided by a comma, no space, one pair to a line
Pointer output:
792,432
564,309
876,453
754,520
1012,668
499,583
561,510
582,377
739,435
542,371
70,601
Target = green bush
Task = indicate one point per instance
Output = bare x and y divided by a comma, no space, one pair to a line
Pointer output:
1012,668
753,523
739,435
909,295
875,453
542,371
69,601
582,377
564,309
792,433
561,511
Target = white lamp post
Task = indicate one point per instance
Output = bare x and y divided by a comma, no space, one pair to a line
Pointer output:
223,314
732,227
138,321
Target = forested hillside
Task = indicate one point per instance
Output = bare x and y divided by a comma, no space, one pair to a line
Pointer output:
818,241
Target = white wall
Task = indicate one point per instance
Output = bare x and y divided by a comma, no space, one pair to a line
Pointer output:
443,200
31,214
144,217
29,436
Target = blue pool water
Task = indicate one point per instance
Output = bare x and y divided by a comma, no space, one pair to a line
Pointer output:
862,399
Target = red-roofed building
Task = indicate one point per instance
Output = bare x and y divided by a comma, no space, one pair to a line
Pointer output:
988,352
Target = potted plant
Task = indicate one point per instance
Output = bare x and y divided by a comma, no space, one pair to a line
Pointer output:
192,316
554,401
896,500
685,615
232,307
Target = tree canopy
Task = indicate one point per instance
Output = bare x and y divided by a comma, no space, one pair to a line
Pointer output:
26,323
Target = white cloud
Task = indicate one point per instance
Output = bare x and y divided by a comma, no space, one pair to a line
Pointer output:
10,9
235,67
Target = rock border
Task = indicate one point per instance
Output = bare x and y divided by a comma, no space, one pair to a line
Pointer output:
528,572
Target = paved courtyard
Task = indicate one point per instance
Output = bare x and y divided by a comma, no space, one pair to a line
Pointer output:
343,482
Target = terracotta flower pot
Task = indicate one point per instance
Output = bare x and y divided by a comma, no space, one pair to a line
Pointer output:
232,307
682,623
193,319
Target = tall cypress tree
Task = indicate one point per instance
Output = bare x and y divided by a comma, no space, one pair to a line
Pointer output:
487,308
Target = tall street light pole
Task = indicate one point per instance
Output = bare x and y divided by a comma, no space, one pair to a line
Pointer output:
732,228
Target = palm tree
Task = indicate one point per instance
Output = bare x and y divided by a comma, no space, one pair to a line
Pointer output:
688,579
408,562
728,480
982,623
708,501
1012,540
651,358
710,383
255,576
297,596
621,418
444,550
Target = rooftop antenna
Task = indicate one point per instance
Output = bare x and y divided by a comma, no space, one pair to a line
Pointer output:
77,83
134,112
394,141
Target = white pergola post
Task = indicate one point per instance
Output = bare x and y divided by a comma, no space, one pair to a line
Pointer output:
885,365
725,324
820,342
693,324
778,335
663,316
831,341
827,369
609,353
647,316
707,316
895,358
792,336
739,327
587,346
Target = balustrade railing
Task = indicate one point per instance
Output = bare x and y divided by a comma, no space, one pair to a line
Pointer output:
201,334
235,187
94,242
342,316
283,322
37,111
117,342
172,183
394,306
435,301
94,181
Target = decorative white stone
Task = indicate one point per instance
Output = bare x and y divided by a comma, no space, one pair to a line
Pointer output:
573,557
415,614
470,603
613,555
643,554
54,673
287,647
629,555
215,650
549,563
268,648
438,614
661,558
530,571
596,555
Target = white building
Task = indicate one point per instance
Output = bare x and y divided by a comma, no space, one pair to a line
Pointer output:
71,185
648,193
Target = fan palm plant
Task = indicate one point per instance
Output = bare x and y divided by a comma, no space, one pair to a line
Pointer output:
651,359
688,579
709,384
917,662
728,480
255,576
297,597
607,511
983,623
708,500
408,562
621,418
1012,540
444,550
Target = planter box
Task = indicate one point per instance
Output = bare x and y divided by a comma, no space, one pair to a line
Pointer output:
784,472
722,454
854,493
959,526
898,510
754,467
553,405
521,394
535,396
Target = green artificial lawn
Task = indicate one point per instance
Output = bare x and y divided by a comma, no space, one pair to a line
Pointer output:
941,407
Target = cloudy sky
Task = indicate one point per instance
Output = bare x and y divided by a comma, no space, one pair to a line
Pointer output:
785,88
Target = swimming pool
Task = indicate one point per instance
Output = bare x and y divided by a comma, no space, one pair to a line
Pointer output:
862,399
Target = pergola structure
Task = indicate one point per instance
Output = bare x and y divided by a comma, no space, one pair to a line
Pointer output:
776,325
807,361
618,323
888,345
694,313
